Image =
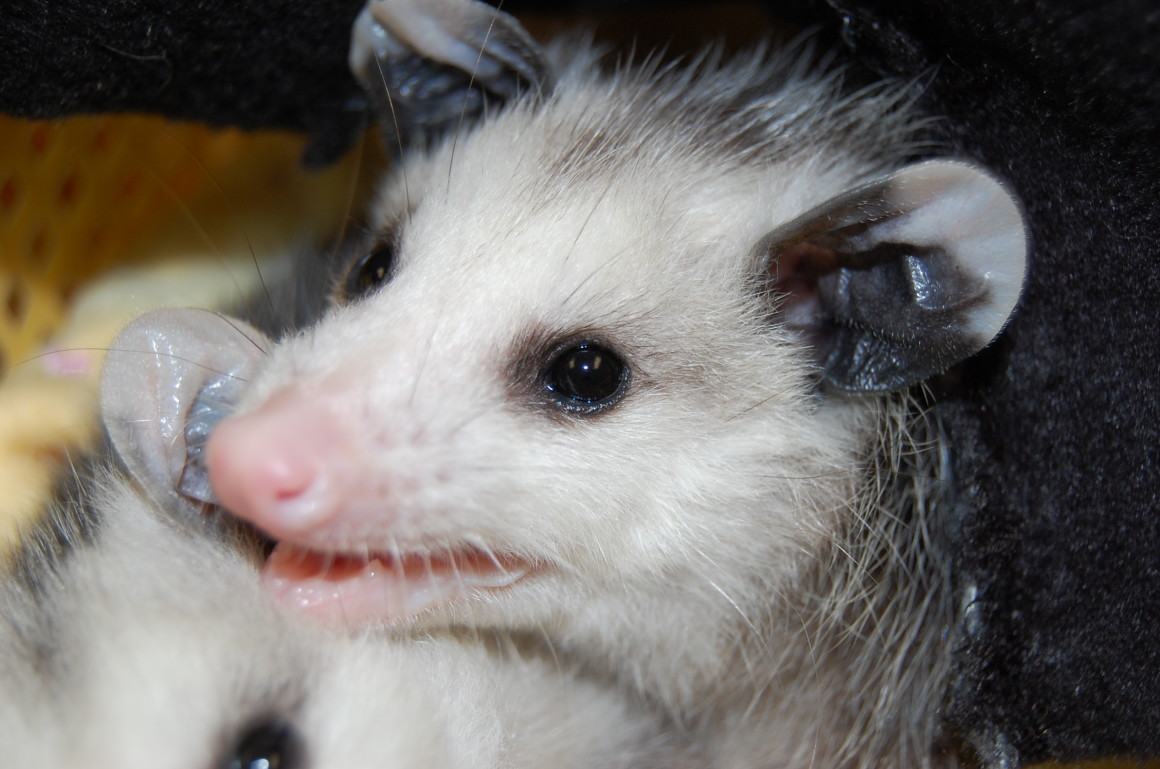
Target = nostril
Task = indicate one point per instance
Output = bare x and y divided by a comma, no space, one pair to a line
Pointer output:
290,492
273,467
283,473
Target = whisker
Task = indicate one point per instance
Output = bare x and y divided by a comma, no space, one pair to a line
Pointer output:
425,355
592,274
467,95
397,559
587,219
253,342
187,212
398,135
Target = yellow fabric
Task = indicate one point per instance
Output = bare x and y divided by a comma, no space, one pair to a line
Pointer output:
104,217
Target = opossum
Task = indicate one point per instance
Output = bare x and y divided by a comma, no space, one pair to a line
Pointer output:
131,639
630,368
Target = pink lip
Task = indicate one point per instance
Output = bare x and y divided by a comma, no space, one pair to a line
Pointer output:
347,588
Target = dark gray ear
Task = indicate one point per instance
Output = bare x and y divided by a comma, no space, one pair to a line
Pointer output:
169,377
429,66
899,280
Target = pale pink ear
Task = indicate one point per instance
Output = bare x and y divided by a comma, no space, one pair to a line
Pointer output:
899,280
164,376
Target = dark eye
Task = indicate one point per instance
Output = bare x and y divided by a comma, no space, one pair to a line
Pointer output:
271,744
370,271
586,377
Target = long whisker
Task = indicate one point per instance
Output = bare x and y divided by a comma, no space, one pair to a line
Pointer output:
187,212
398,135
463,110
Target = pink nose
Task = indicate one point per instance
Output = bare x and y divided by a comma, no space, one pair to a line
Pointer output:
274,467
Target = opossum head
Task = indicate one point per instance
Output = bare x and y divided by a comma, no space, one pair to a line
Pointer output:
143,643
606,366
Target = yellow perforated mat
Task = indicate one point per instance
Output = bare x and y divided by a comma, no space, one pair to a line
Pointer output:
104,217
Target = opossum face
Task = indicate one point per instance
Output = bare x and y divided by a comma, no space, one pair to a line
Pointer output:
553,404
577,378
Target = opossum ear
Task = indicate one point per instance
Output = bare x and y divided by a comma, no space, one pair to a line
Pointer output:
431,66
899,280
170,375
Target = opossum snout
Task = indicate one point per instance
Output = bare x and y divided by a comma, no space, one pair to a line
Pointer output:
282,467
301,473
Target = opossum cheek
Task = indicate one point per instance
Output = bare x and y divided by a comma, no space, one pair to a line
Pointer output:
283,466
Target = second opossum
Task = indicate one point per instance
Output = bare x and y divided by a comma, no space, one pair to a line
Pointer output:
622,369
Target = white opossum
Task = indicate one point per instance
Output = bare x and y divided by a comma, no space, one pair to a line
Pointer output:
612,371
131,640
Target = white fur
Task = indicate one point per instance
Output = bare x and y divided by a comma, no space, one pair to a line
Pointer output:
756,558
685,543
153,648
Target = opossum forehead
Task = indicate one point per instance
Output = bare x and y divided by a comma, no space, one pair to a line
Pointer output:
493,184
603,175
488,222
473,278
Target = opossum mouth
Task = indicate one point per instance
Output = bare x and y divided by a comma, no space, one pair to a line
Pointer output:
383,586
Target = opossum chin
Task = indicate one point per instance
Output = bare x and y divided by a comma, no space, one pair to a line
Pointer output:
384,587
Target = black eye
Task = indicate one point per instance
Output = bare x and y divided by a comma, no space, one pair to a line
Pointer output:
272,744
586,377
370,271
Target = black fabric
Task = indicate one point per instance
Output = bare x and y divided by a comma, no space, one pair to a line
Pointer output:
261,64
1057,426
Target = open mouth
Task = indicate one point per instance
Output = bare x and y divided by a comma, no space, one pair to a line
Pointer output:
383,586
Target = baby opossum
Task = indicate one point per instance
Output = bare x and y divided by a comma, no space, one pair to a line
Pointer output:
130,639
622,368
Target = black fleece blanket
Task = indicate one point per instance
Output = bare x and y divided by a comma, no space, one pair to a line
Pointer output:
1057,425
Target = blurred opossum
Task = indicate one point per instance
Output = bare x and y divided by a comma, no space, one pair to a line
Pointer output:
130,639
624,368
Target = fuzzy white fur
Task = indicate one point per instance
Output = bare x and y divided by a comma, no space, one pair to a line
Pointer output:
683,541
153,647
754,558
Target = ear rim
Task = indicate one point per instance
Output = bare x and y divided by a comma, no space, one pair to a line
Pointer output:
1008,221
954,212
395,46
172,353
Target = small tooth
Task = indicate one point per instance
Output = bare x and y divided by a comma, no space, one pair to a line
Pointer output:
508,576
423,596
